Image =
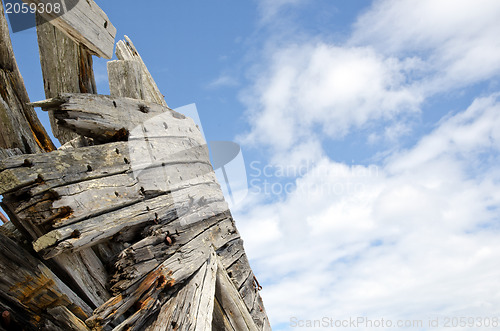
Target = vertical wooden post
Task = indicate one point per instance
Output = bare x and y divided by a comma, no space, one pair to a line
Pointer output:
19,126
66,68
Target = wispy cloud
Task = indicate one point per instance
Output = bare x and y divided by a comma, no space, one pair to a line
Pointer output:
414,235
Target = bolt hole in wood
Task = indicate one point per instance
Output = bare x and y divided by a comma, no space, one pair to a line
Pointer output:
114,104
144,109
117,194
27,163
126,160
89,168
105,24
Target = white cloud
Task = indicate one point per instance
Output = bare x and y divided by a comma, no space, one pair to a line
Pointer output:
457,39
414,238
319,89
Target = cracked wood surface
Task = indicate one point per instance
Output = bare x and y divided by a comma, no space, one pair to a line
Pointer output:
125,50
19,125
66,68
85,23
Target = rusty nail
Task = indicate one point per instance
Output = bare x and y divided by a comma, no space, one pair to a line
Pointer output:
256,284
6,318
3,218
168,240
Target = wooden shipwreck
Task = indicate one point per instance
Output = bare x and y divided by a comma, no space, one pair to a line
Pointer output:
125,226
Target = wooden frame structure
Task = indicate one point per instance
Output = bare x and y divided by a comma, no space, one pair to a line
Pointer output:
125,226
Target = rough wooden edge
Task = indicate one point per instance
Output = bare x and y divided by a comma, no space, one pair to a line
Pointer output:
19,120
85,23
125,50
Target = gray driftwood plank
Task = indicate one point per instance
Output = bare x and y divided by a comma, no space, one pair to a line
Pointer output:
19,125
125,50
66,68
174,270
125,79
106,118
191,308
231,302
31,283
85,23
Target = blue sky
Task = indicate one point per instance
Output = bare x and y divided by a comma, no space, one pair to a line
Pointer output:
384,114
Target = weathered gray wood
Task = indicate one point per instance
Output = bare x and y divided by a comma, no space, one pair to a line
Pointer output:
66,319
6,153
220,322
162,209
232,303
85,23
125,50
66,68
31,283
125,79
19,125
174,270
191,308
110,119
145,255
88,274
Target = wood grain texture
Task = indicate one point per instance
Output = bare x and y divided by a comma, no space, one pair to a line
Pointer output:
32,284
66,68
85,23
109,119
125,50
125,79
19,125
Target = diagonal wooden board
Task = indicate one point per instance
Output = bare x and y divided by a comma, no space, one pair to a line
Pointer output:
84,22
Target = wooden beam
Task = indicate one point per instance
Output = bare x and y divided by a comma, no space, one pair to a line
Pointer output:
191,308
105,118
125,50
66,68
232,303
125,79
29,282
85,23
176,269
19,125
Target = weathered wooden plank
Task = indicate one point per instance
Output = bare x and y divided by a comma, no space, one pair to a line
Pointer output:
232,303
109,119
87,274
220,322
160,242
6,153
174,270
125,79
66,319
19,124
66,68
191,308
162,209
62,167
85,23
125,50
31,283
